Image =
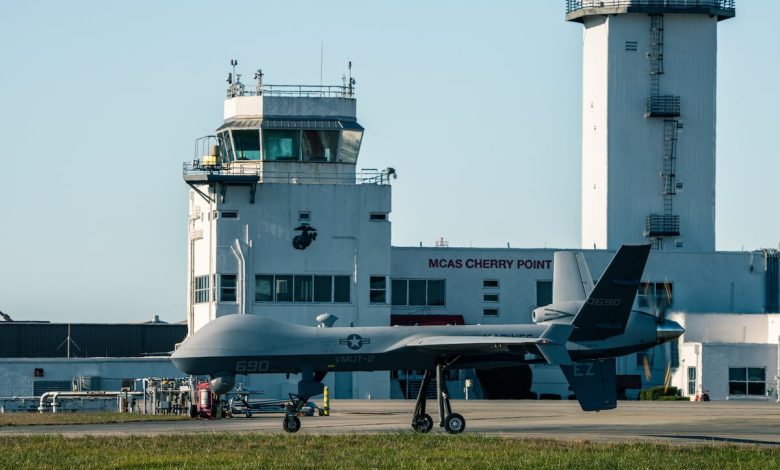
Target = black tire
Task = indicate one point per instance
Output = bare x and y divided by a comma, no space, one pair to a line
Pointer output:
454,423
423,424
291,424
193,411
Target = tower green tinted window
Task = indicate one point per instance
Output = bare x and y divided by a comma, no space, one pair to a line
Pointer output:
247,144
281,145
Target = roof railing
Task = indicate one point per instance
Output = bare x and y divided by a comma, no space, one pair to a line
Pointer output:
574,5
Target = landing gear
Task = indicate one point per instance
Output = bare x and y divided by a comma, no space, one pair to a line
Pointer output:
453,423
309,386
291,421
291,424
423,423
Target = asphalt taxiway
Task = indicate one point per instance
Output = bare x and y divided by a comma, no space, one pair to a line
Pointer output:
675,422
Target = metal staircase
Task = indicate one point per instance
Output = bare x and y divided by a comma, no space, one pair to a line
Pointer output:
667,224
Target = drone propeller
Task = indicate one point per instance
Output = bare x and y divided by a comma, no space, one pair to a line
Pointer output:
659,304
668,376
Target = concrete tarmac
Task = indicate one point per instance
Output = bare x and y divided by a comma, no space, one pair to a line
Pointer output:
672,422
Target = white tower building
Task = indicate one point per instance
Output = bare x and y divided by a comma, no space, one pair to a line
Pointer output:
281,224
648,121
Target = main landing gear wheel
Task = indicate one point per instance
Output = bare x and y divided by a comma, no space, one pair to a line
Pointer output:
454,423
423,423
291,424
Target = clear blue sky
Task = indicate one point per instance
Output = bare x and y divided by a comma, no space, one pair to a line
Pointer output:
476,104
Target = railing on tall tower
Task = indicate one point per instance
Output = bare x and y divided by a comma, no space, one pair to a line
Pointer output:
578,9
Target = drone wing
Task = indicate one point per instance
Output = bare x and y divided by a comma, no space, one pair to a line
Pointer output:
551,344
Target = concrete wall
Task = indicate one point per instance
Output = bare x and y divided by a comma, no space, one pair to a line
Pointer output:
594,133
288,106
623,149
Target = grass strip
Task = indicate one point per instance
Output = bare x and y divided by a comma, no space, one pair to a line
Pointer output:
402,450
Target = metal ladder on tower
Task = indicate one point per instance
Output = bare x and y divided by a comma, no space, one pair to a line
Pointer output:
666,224
668,175
656,54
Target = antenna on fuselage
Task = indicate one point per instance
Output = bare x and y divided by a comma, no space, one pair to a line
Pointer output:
326,320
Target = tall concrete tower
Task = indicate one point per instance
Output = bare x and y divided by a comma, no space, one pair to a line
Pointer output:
648,121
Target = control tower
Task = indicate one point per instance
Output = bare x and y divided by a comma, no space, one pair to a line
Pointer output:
648,121
281,224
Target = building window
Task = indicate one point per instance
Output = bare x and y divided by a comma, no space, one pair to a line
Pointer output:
228,215
281,145
490,284
304,216
678,243
264,288
247,144
377,216
419,292
202,288
341,288
543,293
490,297
323,289
490,312
657,295
283,291
691,381
632,46
227,287
435,290
747,381
400,292
378,289
301,288
319,146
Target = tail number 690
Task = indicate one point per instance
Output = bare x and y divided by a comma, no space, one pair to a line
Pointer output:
604,302
249,367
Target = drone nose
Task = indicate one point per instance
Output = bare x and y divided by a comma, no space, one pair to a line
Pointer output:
668,330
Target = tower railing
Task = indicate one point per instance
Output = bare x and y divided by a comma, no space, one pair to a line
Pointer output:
573,5
363,176
306,91
576,10
662,106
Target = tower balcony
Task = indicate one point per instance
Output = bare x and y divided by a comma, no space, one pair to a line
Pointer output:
577,10
203,171
658,225
662,106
